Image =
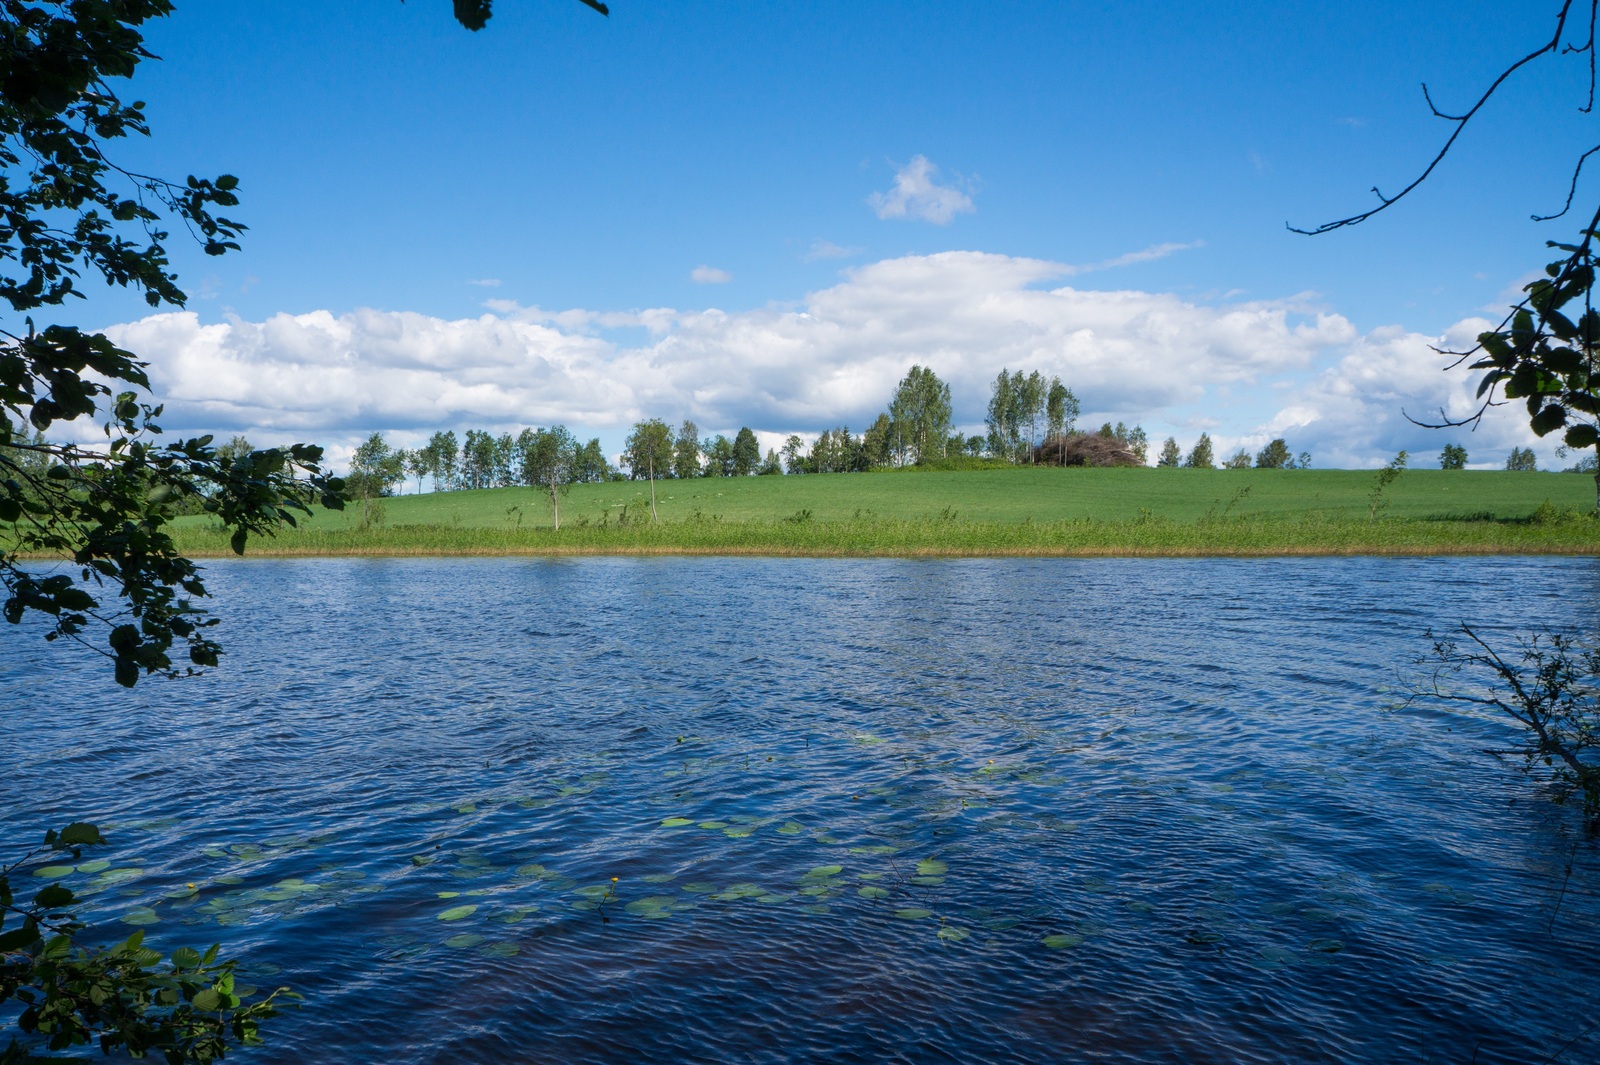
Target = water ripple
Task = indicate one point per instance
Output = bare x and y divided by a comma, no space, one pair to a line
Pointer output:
1091,811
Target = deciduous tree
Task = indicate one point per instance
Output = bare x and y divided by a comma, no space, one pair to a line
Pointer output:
686,455
1453,457
1522,459
1202,456
648,453
920,413
551,463
746,452
1275,456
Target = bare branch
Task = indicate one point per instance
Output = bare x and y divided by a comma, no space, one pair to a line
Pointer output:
1461,121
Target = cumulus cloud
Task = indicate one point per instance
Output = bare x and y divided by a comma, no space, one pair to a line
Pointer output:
1245,370
917,194
709,275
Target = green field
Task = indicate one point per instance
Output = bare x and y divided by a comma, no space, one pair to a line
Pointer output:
997,511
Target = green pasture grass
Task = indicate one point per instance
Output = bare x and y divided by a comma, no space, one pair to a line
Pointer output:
975,512
1042,495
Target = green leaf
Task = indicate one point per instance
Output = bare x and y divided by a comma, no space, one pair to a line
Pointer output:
53,897
1549,419
207,1000
456,913
1581,436
80,834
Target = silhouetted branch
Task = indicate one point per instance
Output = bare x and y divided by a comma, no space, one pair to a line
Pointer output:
1461,120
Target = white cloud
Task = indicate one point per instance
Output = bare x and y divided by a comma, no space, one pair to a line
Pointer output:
916,194
486,282
827,249
709,275
1249,370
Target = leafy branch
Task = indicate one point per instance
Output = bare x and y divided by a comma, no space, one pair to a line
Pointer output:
1551,688
121,996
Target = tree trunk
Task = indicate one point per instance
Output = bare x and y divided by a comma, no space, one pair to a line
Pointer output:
555,503
653,489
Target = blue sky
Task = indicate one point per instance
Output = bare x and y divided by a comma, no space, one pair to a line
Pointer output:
552,186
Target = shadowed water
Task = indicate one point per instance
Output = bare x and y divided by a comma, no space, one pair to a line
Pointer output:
1120,811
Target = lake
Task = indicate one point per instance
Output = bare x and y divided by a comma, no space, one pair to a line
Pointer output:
857,810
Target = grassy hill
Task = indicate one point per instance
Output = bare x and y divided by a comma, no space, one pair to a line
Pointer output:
1046,510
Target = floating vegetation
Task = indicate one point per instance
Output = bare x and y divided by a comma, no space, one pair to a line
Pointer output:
1062,941
464,940
456,913
676,822
913,913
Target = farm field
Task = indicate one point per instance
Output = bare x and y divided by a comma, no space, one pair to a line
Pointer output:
999,511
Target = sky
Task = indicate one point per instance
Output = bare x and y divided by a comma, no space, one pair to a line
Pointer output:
764,215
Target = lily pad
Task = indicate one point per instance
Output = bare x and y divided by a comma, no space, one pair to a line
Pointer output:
736,833
456,913
927,881
1063,941
791,828
823,871
500,950
712,825
99,865
531,869
118,876
952,934
464,940
699,887
676,822
53,872
913,913
932,867
870,892
141,916
1141,906
659,878
649,904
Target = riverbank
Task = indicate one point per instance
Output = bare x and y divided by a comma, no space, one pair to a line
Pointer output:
801,537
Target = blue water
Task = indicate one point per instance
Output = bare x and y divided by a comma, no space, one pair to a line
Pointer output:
1187,776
